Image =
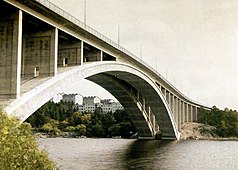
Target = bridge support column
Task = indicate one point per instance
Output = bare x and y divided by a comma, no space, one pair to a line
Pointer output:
169,100
182,112
194,113
167,95
56,51
179,115
143,104
17,54
10,55
101,59
186,111
153,121
164,92
172,104
149,112
191,113
81,57
176,110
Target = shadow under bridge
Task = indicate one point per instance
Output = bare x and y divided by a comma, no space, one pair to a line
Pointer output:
142,101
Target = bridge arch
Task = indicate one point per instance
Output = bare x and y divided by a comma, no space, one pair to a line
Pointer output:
133,89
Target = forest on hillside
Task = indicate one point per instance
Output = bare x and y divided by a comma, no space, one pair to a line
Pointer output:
225,121
55,118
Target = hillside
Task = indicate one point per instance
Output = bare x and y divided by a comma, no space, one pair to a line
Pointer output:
197,131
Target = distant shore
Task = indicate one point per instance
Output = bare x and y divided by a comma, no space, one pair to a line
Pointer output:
189,131
62,135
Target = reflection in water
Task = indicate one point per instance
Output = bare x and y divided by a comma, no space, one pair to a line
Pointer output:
143,154
125,154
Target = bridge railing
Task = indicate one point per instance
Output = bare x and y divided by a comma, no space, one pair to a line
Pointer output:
79,23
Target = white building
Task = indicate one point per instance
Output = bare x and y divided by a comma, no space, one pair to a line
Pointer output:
57,98
109,105
91,100
75,98
91,103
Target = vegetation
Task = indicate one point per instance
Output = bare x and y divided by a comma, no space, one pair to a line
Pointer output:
55,118
225,121
18,147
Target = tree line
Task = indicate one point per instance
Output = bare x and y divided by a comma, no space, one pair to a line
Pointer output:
55,118
225,121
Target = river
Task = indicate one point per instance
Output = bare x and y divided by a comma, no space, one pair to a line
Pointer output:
88,153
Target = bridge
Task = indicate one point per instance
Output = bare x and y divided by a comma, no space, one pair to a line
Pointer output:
44,51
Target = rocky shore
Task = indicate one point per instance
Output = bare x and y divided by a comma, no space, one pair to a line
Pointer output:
198,131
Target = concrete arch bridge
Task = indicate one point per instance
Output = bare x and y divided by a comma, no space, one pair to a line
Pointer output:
44,51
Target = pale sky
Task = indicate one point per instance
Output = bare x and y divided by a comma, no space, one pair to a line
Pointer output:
195,42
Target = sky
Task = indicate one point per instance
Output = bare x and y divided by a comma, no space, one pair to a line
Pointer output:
192,43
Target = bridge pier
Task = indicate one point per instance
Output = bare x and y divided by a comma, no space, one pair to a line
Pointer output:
10,54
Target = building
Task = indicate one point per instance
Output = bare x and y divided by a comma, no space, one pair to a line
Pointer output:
57,98
75,98
91,100
109,105
91,103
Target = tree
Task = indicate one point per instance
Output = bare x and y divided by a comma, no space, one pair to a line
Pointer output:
19,147
80,129
225,121
120,116
75,119
98,130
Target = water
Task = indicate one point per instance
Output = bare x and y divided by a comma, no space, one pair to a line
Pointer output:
87,154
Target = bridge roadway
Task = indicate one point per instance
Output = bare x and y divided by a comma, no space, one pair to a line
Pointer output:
44,51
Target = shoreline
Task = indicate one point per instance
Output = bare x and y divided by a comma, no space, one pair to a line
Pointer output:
189,131
45,135
213,139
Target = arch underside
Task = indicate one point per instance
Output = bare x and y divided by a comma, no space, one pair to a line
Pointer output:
118,79
119,84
